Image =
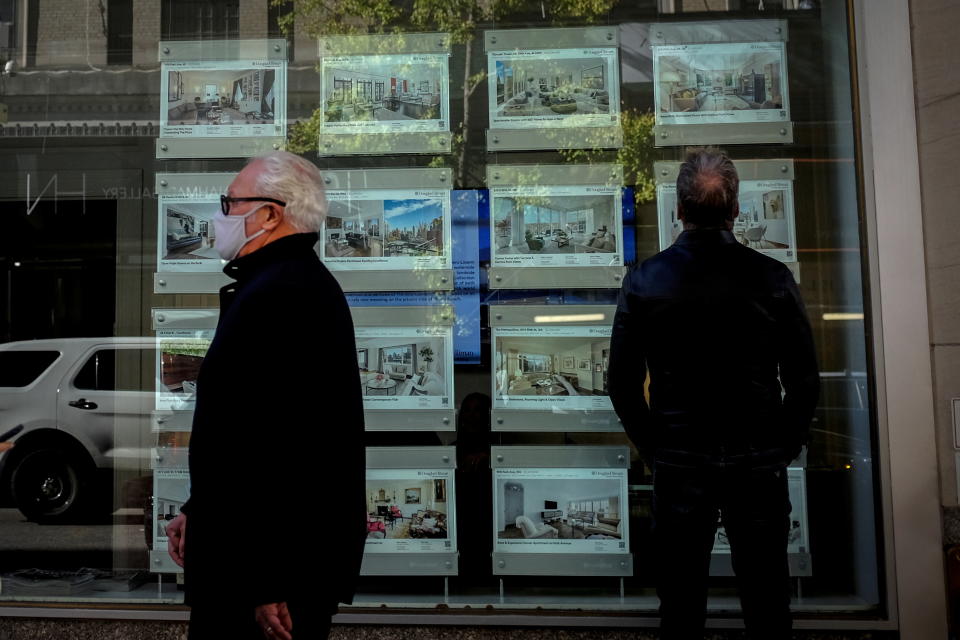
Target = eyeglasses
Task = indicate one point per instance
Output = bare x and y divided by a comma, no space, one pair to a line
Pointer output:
225,202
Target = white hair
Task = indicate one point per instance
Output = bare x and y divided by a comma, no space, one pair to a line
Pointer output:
296,181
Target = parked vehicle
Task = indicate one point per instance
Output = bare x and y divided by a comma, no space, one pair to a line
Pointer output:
85,404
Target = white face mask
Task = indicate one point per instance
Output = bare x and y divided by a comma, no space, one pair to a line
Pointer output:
231,233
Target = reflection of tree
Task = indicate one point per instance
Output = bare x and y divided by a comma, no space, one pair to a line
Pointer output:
460,18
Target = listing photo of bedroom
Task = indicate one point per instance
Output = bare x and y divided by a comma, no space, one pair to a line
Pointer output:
557,224
543,366
189,233
395,367
403,509
549,508
551,86
720,82
384,228
384,92
220,96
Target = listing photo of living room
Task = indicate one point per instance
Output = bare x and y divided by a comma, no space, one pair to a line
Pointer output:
551,366
714,78
399,508
549,85
188,236
382,88
549,508
387,228
402,367
555,224
206,97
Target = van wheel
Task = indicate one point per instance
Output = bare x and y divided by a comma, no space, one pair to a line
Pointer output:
50,486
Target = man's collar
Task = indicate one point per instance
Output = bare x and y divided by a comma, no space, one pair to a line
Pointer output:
245,266
706,236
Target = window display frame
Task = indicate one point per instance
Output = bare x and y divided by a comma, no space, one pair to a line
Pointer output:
173,184
725,32
556,277
389,280
415,563
559,457
420,142
273,50
533,420
552,138
414,317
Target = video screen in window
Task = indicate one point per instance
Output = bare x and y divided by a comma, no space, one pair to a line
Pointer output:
556,226
765,222
410,511
223,99
377,229
560,511
180,354
405,367
721,83
385,93
532,89
551,368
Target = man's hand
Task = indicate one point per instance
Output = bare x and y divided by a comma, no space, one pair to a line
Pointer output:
176,535
274,620
5,446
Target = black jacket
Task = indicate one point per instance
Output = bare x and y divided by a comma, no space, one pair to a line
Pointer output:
716,324
277,466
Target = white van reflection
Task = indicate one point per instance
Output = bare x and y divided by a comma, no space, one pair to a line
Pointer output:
85,404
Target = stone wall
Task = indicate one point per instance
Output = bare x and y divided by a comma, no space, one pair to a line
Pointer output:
72,32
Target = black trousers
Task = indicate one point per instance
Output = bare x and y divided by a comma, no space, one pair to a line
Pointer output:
216,621
754,507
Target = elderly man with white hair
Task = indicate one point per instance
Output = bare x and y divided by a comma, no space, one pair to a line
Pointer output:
278,424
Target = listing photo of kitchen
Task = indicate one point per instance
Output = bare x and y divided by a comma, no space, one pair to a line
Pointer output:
205,97
384,228
549,85
547,508
556,224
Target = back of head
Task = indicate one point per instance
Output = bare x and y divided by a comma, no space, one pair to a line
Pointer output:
707,187
296,181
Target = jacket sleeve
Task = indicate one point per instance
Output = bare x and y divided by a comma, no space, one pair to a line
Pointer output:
799,373
627,370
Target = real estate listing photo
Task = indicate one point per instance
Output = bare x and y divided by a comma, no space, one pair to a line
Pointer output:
550,508
556,224
180,361
403,509
549,86
711,81
204,97
188,232
383,91
169,495
547,366
402,367
384,228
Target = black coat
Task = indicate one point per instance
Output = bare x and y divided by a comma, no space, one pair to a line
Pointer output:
277,469
715,323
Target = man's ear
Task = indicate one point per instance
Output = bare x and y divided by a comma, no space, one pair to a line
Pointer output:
274,216
679,212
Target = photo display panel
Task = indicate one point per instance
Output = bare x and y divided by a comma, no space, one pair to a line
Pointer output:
171,489
223,98
560,511
797,538
180,353
556,226
766,221
411,511
405,367
387,229
553,88
714,83
186,237
551,368
381,94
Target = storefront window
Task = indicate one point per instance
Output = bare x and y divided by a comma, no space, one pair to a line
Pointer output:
492,171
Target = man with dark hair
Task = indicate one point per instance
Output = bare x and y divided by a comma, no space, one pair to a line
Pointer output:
722,330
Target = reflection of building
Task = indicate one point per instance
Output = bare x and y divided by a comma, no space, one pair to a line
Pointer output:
551,366
530,87
391,367
381,94
555,224
564,509
726,82
407,509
